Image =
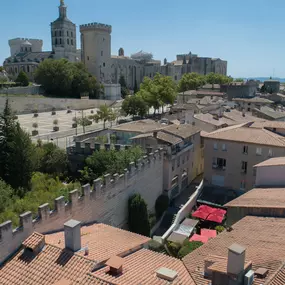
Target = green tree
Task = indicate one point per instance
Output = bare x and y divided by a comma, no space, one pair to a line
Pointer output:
124,89
16,151
84,122
62,78
138,215
191,81
6,193
135,106
104,114
215,78
23,78
239,80
51,159
161,205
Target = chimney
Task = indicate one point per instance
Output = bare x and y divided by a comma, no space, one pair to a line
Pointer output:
115,264
236,259
72,235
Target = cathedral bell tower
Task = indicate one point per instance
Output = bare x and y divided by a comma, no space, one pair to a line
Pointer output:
63,35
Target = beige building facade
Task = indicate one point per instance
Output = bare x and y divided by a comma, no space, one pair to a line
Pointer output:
231,153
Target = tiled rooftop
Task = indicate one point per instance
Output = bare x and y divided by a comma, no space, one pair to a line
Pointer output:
253,100
209,119
33,240
238,117
140,268
241,133
103,241
270,112
183,131
89,279
269,124
51,265
275,161
142,126
263,239
260,198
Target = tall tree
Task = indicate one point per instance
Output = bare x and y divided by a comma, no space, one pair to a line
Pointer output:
135,106
23,78
124,89
16,151
138,215
191,81
103,114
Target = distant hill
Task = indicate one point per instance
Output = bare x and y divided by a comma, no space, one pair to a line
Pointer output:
266,78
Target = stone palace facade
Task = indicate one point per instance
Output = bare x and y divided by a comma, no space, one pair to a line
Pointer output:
95,53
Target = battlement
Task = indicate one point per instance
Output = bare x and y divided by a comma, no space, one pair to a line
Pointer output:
17,40
106,202
96,26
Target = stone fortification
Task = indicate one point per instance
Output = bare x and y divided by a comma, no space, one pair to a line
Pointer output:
106,202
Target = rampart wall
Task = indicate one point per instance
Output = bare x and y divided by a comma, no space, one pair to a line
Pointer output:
106,202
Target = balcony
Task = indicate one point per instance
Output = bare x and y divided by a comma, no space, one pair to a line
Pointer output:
218,167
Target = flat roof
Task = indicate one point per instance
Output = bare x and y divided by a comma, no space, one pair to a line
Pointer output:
260,198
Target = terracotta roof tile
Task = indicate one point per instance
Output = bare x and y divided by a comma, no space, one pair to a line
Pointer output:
140,268
237,116
263,239
209,118
183,131
275,161
269,124
279,278
260,198
50,266
241,133
103,241
33,240
89,279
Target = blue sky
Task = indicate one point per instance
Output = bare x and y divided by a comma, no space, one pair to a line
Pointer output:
249,34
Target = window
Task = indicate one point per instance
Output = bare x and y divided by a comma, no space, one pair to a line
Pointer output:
224,147
178,161
175,77
26,49
244,167
219,163
30,49
258,151
101,53
104,64
55,33
22,49
270,152
60,33
215,146
245,149
254,171
60,41
28,68
87,57
72,34
67,33
55,41
242,185
68,41
71,42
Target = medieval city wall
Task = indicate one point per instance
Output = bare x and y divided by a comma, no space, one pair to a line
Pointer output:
106,202
26,104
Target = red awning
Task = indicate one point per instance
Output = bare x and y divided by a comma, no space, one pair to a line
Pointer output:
205,212
196,237
208,233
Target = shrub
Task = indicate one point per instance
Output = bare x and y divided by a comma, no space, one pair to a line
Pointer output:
173,248
219,229
155,246
161,205
23,79
188,248
35,125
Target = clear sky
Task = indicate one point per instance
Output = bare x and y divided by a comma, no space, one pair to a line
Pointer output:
249,34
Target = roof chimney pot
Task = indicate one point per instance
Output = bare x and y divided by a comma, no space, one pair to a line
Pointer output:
72,235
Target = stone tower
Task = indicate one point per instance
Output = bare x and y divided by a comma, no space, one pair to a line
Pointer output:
63,35
96,50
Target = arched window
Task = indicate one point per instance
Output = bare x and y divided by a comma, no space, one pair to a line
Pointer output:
26,49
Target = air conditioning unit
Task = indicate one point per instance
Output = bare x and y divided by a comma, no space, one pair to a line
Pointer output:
249,278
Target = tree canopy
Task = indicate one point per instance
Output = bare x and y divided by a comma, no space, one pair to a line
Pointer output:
191,81
138,215
104,114
23,78
158,92
62,78
215,78
108,161
124,89
135,106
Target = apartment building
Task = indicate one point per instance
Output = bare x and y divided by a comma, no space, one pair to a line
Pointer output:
183,159
231,153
